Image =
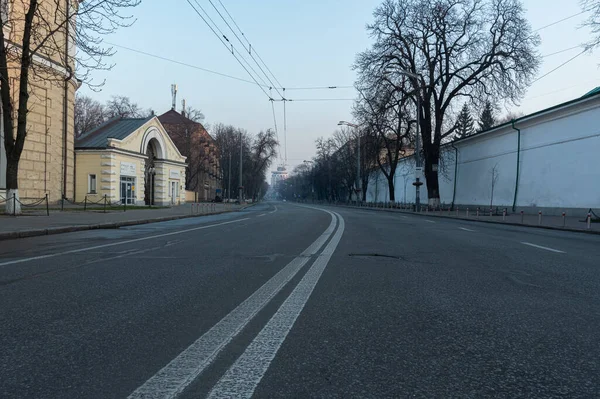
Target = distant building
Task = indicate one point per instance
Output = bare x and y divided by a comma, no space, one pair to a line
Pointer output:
278,175
203,173
131,161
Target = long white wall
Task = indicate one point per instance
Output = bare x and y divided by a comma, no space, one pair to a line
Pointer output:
559,165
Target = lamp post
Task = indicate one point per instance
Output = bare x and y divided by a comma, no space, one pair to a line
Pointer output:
241,188
418,167
358,182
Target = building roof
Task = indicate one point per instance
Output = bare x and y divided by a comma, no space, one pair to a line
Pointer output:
172,117
117,128
592,92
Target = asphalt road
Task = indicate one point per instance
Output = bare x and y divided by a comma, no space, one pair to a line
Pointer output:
282,300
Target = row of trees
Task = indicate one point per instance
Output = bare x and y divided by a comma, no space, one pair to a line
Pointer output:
258,153
428,62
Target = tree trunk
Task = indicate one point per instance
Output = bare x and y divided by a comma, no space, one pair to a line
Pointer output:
390,180
431,176
13,206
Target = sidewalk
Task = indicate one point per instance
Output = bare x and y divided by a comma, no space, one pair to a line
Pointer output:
39,223
568,223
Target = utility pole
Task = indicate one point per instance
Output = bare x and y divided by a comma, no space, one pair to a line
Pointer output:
229,180
241,188
358,182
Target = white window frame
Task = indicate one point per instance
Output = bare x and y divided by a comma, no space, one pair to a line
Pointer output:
92,179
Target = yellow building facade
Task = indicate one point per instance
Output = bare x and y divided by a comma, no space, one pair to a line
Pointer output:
47,162
131,161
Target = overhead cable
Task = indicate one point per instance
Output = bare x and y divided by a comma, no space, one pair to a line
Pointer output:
225,44
249,49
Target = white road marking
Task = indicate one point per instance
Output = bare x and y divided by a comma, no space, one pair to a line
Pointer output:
74,251
242,378
261,215
465,229
540,247
403,217
430,221
172,379
275,210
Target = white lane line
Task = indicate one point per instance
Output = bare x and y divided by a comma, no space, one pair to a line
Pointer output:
274,210
74,251
245,374
403,217
430,221
261,215
465,229
172,379
540,247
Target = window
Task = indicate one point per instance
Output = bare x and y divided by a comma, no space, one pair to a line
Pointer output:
92,184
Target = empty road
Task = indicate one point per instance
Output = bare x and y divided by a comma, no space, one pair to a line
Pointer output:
289,300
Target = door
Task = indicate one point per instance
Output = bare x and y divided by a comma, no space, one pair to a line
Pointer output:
173,192
128,190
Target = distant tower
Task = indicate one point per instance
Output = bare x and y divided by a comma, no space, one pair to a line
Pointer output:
183,107
174,96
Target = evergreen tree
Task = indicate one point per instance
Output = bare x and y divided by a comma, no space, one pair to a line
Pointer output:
464,123
486,119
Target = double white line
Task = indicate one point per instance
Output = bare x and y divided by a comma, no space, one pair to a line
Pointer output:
245,374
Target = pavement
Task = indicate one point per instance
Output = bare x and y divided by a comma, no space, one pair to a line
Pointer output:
285,301
37,222
567,223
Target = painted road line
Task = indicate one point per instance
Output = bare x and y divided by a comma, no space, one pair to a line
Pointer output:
275,210
245,374
261,215
430,221
172,379
540,247
465,229
75,251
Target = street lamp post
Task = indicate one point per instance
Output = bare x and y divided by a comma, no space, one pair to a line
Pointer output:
241,188
358,182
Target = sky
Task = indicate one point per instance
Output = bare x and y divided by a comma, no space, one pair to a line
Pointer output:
305,43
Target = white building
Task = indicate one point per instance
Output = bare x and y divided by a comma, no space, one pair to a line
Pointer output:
278,175
547,160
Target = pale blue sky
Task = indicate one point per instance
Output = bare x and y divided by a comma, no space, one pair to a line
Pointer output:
304,43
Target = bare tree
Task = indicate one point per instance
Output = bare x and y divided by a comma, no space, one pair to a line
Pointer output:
54,41
194,114
384,112
453,49
123,107
593,21
89,114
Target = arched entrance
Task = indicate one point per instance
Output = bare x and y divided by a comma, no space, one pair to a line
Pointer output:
152,150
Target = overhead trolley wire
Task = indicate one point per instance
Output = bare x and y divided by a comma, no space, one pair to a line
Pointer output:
225,44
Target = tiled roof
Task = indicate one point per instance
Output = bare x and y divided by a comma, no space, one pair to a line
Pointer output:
118,128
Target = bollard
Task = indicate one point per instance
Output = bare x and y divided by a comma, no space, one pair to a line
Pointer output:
504,215
540,218
491,212
104,203
564,216
47,206
589,221
456,211
84,203
477,213
467,212
522,217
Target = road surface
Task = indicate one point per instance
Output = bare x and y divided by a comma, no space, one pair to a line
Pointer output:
283,300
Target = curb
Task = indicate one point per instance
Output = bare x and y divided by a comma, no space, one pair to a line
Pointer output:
569,229
105,226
